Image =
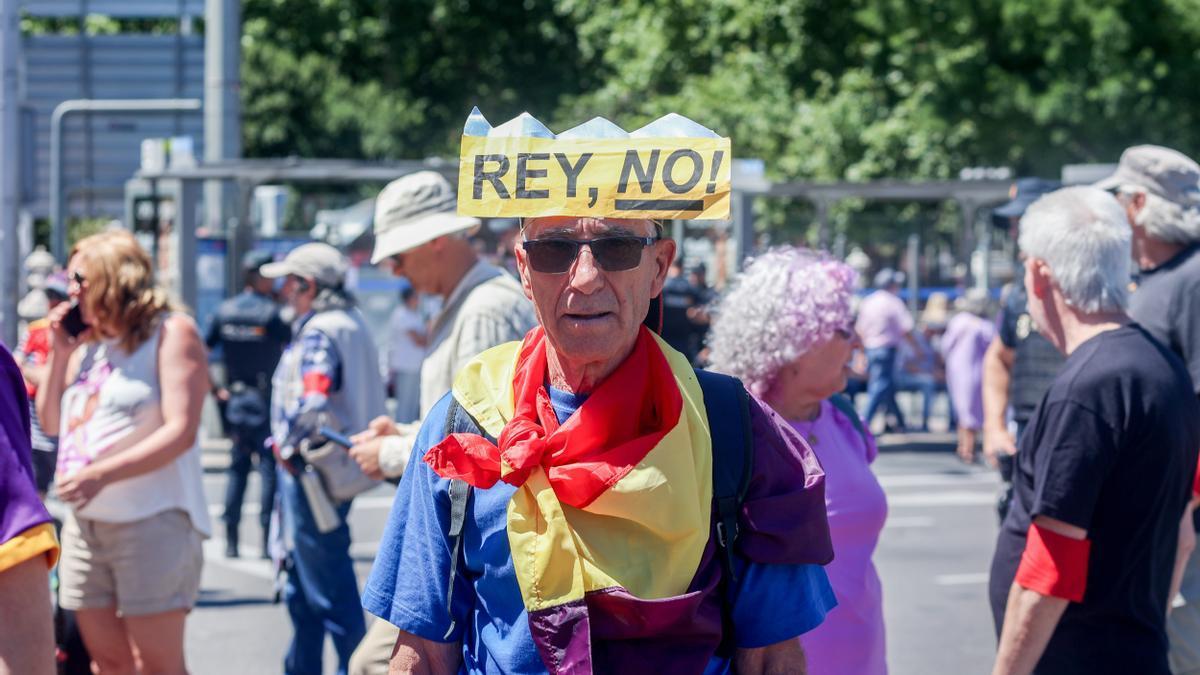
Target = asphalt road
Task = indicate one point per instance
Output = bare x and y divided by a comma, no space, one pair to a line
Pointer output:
933,558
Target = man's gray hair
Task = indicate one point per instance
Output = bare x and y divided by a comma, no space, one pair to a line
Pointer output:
1165,220
1083,235
332,298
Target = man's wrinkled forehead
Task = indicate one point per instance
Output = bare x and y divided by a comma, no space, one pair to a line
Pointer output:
567,226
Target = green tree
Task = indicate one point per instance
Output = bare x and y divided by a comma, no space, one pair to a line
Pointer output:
852,90
378,79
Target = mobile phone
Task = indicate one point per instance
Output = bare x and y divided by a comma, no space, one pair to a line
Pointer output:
73,322
335,437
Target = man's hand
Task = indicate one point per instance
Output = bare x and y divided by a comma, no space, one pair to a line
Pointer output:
997,440
368,442
416,656
380,426
777,659
367,456
997,374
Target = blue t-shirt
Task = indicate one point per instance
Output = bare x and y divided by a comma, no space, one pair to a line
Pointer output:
408,583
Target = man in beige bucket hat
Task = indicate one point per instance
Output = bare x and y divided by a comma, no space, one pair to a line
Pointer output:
1160,191
419,233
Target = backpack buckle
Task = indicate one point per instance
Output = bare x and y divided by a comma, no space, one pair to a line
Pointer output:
724,538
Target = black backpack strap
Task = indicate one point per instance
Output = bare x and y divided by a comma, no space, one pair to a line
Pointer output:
728,406
844,405
458,421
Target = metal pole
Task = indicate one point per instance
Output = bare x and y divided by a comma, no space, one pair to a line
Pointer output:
822,217
184,235
985,246
58,227
10,262
222,101
914,284
743,227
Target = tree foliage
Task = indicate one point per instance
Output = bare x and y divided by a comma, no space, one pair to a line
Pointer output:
383,79
821,90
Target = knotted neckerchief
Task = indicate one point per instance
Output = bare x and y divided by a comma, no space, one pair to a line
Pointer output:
622,420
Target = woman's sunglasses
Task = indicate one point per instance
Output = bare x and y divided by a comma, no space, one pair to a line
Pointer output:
612,254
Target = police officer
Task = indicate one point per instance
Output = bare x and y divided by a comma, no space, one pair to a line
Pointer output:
1020,363
252,335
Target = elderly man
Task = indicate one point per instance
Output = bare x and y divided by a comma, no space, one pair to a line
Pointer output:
328,376
1160,190
588,543
1105,467
419,234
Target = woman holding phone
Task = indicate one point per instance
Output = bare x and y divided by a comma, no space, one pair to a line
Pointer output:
126,382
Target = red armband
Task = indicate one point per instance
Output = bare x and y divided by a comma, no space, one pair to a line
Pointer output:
317,383
1054,565
1196,482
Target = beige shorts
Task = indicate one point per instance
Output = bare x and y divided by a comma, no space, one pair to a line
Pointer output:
143,567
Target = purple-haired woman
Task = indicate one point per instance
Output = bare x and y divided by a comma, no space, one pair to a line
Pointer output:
785,328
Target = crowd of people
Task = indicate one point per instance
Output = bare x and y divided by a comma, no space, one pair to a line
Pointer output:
574,492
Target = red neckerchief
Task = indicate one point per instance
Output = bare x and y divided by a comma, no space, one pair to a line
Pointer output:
619,423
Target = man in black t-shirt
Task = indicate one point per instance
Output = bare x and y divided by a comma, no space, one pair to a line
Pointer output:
1160,190
1083,561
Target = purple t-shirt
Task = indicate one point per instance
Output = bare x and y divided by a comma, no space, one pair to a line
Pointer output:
967,338
883,320
20,507
852,638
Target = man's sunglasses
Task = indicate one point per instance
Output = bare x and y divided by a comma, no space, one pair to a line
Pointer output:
612,254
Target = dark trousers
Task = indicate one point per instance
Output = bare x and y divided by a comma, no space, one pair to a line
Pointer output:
321,592
247,450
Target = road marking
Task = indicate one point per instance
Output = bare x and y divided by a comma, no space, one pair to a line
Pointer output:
250,564
967,579
364,549
909,521
253,508
938,479
952,498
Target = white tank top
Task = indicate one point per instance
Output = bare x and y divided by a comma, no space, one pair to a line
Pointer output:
113,404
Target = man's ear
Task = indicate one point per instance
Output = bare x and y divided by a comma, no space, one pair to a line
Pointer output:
523,269
664,253
1133,206
1043,279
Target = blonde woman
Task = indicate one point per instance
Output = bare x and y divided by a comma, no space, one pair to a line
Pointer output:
126,395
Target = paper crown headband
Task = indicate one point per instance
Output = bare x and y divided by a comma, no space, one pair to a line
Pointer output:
670,168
